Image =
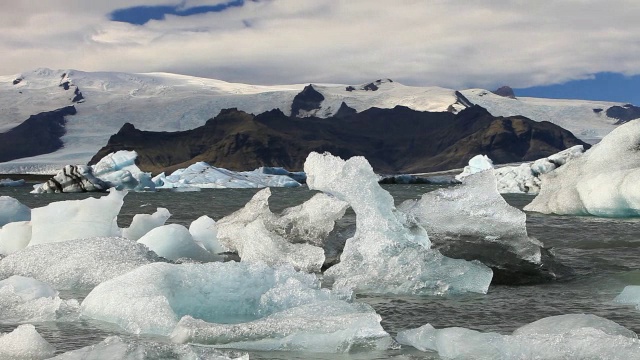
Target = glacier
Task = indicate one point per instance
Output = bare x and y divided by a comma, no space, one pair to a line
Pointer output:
601,182
388,253
236,305
572,336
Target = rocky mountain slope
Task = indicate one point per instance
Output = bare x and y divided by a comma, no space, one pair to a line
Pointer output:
398,140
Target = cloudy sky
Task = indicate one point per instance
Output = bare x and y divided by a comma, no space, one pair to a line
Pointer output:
450,43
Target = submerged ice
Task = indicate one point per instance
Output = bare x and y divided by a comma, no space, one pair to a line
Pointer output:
235,305
388,253
574,336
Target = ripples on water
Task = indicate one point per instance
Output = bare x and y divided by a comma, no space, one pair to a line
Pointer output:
604,252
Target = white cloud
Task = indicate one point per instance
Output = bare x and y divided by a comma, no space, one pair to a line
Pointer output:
438,42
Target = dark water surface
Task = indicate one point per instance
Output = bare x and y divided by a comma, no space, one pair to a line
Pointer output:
604,252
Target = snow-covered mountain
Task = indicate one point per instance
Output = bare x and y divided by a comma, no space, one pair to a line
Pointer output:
159,101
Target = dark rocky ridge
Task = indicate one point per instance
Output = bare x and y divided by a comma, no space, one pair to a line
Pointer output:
40,134
505,91
624,113
398,140
307,100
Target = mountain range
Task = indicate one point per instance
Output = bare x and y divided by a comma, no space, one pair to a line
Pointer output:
104,101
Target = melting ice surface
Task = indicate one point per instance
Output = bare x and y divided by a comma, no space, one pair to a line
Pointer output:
203,175
24,343
602,182
574,336
388,253
236,305
524,178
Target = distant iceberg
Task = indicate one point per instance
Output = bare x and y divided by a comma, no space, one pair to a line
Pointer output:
602,182
524,178
573,336
11,183
203,175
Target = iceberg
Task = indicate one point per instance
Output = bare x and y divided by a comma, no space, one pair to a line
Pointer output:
11,183
175,242
143,223
77,264
524,178
115,347
236,305
389,252
573,336
472,221
629,295
12,210
601,182
75,219
116,170
203,175
24,299
257,234
24,343
205,233
14,236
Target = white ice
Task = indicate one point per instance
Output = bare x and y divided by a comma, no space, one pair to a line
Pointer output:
629,295
75,219
77,264
205,233
24,343
14,236
388,253
115,347
24,299
13,210
174,242
475,208
257,234
574,336
143,223
523,178
203,175
243,305
601,182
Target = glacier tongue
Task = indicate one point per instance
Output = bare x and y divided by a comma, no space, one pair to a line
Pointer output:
388,253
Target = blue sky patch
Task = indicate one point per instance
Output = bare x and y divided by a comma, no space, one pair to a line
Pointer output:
605,86
140,15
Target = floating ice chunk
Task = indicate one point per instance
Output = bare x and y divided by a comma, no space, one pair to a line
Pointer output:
602,182
24,343
76,219
14,236
388,253
257,234
12,210
11,183
24,299
312,221
259,244
239,298
556,337
72,178
205,233
524,178
204,175
475,211
143,223
629,295
77,264
477,164
114,347
174,242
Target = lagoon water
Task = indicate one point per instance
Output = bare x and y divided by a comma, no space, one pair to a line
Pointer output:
604,252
